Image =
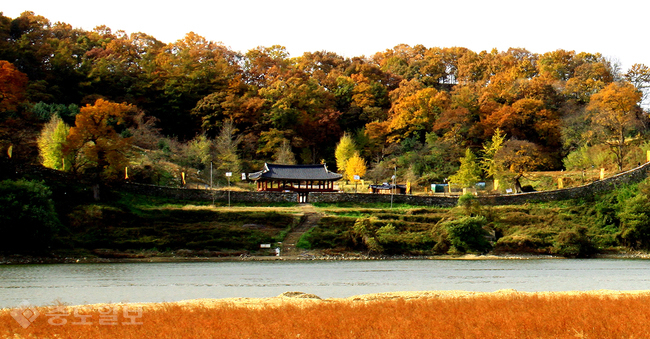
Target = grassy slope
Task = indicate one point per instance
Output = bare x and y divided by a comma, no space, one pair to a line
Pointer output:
140,225
570,228
136,226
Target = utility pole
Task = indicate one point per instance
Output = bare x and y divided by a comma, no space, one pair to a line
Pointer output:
392,191
228,175
211,190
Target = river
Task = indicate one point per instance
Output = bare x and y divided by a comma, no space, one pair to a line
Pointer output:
76,284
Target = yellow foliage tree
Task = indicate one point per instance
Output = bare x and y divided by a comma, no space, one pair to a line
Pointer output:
355,166
345,149
51,142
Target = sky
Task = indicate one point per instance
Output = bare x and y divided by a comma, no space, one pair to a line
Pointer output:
617,30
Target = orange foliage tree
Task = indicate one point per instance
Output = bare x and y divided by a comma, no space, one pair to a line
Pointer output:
519,157
12,86
93,142
614,116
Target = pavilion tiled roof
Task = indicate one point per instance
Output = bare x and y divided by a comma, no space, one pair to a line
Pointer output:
295,172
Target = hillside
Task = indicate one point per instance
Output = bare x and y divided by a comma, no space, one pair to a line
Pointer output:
128,226
414,110
100,107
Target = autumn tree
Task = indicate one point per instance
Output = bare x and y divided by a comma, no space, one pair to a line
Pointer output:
121,67
489,164
269,141
469,172
519,157
13,84
198,153
51,142
284,155
263,65
226,148
94,145
639,76
415,113
355,166
591,74
186,71
614,117
345,150
238,102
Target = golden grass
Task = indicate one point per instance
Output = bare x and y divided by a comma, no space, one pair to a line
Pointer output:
507,314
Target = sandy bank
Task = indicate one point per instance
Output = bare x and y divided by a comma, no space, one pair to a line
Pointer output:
306,299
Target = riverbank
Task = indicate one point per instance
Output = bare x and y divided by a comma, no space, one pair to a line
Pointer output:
308,256
306,299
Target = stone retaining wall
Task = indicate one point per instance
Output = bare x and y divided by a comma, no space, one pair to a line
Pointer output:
206,195
383,198
632,176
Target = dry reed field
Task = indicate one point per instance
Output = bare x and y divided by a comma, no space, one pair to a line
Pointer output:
426,315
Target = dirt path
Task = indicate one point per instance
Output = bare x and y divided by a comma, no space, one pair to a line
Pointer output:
309,220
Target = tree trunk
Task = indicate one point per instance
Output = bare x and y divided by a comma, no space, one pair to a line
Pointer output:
619,154
96,191
516,183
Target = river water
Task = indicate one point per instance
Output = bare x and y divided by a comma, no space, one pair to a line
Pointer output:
77,284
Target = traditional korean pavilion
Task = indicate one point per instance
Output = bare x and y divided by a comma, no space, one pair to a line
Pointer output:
296,178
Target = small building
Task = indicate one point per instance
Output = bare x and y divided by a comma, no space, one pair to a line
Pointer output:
295,178
386,188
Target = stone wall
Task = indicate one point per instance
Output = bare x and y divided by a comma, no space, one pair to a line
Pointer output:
383,198
596,187
206,195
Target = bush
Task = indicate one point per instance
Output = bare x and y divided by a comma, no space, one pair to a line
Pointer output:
574,243
303,242
635,222
28,220
470,204
467,234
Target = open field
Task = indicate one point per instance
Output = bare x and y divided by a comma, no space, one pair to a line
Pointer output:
433,314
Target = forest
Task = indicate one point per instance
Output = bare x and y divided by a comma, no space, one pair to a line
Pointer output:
100,101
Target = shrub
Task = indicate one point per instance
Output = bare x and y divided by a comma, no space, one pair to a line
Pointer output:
635,222
470,204
467,234
303,242
574,243
28,220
